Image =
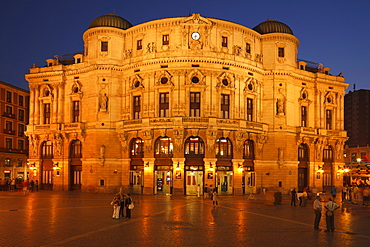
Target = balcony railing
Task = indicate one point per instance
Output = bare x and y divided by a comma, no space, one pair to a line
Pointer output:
10,132
10,115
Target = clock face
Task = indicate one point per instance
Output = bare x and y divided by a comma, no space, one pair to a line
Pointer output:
195,36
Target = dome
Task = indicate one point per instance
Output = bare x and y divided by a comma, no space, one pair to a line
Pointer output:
271,26
110,20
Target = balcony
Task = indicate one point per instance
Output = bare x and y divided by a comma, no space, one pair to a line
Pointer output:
13,150
9,115
10,132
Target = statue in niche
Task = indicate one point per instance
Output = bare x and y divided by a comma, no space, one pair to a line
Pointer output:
280,106
103,102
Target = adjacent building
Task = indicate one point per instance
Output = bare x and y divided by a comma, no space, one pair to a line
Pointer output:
172,104
14,103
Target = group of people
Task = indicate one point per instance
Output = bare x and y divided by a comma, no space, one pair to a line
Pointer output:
19,184
303,197
119,202
354,193
211,193
330,207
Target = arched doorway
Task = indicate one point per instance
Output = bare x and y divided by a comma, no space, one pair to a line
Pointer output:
327,176
47,172
137,165
194,165
163,152
249,178
75,165
303,158
224,168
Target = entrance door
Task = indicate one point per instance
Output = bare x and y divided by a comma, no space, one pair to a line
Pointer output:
47,174
250,182
302,178
137,181
75,174
224,182
163,181
193,178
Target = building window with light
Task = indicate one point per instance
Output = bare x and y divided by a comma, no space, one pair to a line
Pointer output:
225,106
8,127
163,147
248,48
8,97
21,130
137,148
104,46
21,115
137,107
248,150
224,148
194,147
328,154
47,113
164,104
194,104
7,162
224,41
75,111
21,144
249,109
166,39
304,116
328,117
20,100
139,44
76,149
8,143
9,110
47,150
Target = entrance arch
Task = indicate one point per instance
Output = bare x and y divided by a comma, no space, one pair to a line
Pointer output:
249,176
47,172
194,165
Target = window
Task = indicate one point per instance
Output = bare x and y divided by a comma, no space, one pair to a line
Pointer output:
224,41
281,52
21,115
304,116
164,104
139,44
225,105
8,96
19,163
194,147
9,143
137,148
137,107
249,109
163,147
302,152
8,125
223,148
47,113
21,130
7,162
9,110
20,100
47,149
104,46
166,39
328,154
76,149
353,157
21,144
248,150
76,111
194,104
248,48
328,119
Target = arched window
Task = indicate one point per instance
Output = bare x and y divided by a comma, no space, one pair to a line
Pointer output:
194,147
47,150
248,150
137,148
302,152
328,154
224,148
75,149
163,147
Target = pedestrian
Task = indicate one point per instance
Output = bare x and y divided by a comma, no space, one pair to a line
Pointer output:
32,186
365,196
129,205
122,201
198,190
344,193
214,197
206,191
317,208
304,198
25,187
37,185
294,197
355,193
330,207
116,207
334,192
210,192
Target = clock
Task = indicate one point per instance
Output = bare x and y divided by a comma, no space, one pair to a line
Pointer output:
195,36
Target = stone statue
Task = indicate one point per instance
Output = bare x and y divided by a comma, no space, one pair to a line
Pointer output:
103,102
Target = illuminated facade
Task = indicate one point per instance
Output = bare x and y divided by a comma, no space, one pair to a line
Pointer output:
13,143
170,104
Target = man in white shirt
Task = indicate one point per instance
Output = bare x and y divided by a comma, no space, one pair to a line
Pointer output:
317,208
330,207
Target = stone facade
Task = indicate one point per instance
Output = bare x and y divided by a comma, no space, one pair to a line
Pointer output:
170,104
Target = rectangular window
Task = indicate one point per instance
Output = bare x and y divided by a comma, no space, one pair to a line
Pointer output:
329,119
166,39
9,143
137,107
9,110
248,48
304,116
8,96
164,104
21,130
224,41
281,52
9,126
139,44
249,109
20,100
76,111
104,46
225,105
194,104
21,144
21,115
47,113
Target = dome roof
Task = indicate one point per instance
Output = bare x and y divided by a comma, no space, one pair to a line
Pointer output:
110,20
271,26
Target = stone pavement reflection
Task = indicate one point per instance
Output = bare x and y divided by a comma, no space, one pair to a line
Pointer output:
49,218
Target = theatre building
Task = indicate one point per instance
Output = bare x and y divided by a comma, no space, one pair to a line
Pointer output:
164,106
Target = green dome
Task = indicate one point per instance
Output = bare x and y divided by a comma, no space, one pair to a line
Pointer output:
110,20
271,26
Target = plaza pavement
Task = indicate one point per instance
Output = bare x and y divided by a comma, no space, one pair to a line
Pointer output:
50,218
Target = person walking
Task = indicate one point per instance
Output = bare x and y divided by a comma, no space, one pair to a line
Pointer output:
355,193
210,191
129,205
330,207
344,193
304,198
214,197
294,197
334,192
198,190
317,208
116,206
122,201
206,191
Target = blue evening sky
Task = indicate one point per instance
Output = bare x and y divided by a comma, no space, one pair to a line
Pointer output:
332,32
